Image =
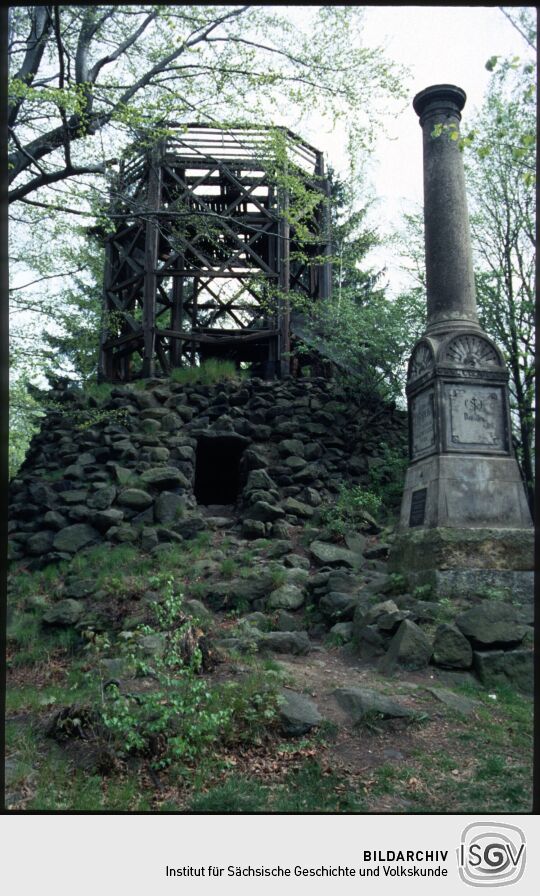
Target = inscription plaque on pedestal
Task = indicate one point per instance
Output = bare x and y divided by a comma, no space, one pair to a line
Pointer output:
418,507
423,424
475,417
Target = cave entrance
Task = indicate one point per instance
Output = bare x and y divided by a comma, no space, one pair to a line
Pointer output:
217,469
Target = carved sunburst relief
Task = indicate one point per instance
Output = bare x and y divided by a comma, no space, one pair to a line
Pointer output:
421,361
471,351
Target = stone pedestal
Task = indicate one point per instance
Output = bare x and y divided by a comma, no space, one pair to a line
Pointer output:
462,471
468,562
463,477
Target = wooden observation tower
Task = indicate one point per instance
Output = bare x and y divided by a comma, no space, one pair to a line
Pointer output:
205,252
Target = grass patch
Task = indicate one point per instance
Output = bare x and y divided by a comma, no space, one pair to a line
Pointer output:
31,643
306,789
211,371
236,795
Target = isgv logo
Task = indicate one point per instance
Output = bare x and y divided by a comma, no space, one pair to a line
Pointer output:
491,854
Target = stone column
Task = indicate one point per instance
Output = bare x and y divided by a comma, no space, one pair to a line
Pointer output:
451,298
464,504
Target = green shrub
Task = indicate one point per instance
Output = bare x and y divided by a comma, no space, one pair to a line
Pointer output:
349,510
182,718
176,721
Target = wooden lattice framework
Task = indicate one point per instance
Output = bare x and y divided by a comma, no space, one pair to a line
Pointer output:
203,256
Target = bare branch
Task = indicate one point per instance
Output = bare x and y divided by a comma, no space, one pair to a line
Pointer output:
525,37
52,177
46,277
112,57
41,24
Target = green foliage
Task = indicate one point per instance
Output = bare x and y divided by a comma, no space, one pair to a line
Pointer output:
228,567
387,478
278,575
423,592
348,512
182,717
398,583
175,722
501,166
25,414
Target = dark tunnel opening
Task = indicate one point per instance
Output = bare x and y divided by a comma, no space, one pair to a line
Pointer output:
217,469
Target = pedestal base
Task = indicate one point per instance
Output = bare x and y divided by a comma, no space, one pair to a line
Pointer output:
464,490
468,562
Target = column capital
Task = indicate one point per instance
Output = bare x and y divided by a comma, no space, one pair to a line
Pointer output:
446,98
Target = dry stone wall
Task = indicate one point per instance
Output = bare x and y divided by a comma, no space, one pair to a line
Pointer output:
137,466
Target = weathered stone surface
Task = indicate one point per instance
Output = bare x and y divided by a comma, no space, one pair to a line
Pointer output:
40,543
456,702
297,714
451,649
167,535
297,643
291,447
74,471
130,453
73,538
159,454
54,519
169,507
253,528
66,612
266,512
165,478
343,631
333,555
505,667
288,597
149,538
376,612
296,576
135,499
197,609
356,542
296,561
361,702
369,642
102,498
297,508
123,474
338,605
143,518
104,519
259,479
258,619
77,588
295,463
409,649
220,595
260,494
447,548
312,497
491,624
287,622
77,496
189,527
150,426
511,584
